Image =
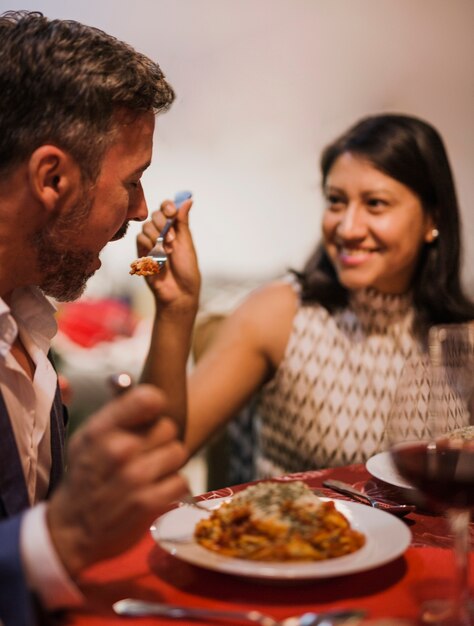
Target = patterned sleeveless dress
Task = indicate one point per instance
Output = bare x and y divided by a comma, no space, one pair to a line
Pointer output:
329,400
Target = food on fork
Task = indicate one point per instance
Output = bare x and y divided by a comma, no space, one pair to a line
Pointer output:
145,266
278,521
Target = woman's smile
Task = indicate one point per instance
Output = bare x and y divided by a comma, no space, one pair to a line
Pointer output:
355,256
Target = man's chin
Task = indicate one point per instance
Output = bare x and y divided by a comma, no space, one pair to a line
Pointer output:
64,290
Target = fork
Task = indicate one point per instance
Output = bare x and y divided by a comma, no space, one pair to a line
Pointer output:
197,504
132,607
384,505
157,253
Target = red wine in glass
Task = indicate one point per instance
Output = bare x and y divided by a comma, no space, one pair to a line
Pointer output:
431,433
442,471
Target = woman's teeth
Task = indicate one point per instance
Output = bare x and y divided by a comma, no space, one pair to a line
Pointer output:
354,251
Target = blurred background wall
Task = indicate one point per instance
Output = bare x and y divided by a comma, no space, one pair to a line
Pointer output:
262,86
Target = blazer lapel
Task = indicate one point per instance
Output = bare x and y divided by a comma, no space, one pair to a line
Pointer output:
58,436
13,491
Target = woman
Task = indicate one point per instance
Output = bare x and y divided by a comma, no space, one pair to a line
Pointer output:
325,349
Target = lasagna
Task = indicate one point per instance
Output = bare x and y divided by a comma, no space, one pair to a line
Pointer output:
278,521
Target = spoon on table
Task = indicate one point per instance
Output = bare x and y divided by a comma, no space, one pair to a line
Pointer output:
132,607
384,505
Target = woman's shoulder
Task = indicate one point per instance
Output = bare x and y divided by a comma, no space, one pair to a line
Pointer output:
279,297
265,318
281,300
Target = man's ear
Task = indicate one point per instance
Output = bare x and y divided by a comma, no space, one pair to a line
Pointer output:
53,174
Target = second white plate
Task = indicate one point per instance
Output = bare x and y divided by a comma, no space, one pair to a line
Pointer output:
382,467
387,538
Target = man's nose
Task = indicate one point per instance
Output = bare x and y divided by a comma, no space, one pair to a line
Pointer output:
138,209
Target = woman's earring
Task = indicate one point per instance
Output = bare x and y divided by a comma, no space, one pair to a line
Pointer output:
432,235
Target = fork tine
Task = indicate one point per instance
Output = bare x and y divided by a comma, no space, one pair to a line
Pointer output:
189,499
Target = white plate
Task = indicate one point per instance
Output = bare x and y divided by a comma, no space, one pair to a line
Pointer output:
382,467
387,537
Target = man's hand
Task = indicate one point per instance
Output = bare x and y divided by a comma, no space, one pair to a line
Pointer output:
122,473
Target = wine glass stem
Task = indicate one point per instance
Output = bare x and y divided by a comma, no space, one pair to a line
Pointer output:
459,524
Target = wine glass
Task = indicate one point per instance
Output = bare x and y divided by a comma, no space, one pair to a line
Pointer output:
431,436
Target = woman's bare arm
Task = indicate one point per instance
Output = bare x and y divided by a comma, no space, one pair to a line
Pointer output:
176,293
248,348
245,353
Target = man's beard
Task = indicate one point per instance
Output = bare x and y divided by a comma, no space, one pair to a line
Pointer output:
64,270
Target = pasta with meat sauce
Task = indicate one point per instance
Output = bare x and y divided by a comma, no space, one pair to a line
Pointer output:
145,266
278,521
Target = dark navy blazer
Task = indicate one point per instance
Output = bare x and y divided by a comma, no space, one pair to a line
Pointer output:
16,602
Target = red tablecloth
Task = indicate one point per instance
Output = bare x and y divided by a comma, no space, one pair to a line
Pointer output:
394,590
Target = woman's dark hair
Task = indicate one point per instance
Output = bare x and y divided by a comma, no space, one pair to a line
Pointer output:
412,152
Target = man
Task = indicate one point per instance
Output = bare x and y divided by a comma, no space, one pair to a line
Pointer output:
77,112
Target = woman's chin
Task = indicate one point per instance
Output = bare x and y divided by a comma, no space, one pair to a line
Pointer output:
388,287
354,282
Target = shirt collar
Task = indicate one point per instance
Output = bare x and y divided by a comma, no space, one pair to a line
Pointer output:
8,329
33,311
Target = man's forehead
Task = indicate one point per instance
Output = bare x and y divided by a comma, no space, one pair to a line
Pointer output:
133,142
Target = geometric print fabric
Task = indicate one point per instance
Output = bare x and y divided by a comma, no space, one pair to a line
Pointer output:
330,398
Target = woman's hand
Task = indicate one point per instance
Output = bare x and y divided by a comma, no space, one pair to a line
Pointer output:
178,283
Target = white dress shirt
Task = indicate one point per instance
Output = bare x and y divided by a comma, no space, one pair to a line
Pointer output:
31,316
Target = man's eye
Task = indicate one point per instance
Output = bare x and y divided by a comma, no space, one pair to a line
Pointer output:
134,184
